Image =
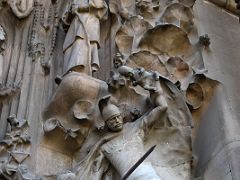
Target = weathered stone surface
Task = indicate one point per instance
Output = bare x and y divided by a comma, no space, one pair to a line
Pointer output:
163,78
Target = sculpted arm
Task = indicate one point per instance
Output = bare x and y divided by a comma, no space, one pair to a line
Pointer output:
155,115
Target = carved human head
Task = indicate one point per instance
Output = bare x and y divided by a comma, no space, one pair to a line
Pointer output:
112,117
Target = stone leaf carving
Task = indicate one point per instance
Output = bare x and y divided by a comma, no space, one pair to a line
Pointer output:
179,70
148,61
166,39
149,10
194,95
129,34
179,15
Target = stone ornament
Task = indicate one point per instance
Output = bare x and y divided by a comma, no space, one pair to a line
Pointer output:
15,146
179,15
21,8
166,43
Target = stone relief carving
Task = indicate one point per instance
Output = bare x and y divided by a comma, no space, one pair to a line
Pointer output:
124,148
106,126
16,149
9,90
114,122
115,143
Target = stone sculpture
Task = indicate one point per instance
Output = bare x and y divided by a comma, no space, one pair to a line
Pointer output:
90,125
82,41
106,130
120,143
123,144
128,146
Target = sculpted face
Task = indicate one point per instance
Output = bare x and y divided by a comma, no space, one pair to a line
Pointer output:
115,123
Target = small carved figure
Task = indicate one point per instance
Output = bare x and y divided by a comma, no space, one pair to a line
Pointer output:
18,134
149,81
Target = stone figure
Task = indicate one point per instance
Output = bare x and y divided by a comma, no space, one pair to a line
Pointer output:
122,144
128,146
85,104
82,40
148,81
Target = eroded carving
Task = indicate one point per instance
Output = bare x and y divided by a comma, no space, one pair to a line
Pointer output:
9,90
18,134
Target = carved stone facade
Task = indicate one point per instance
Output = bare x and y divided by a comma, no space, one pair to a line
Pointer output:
87,87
